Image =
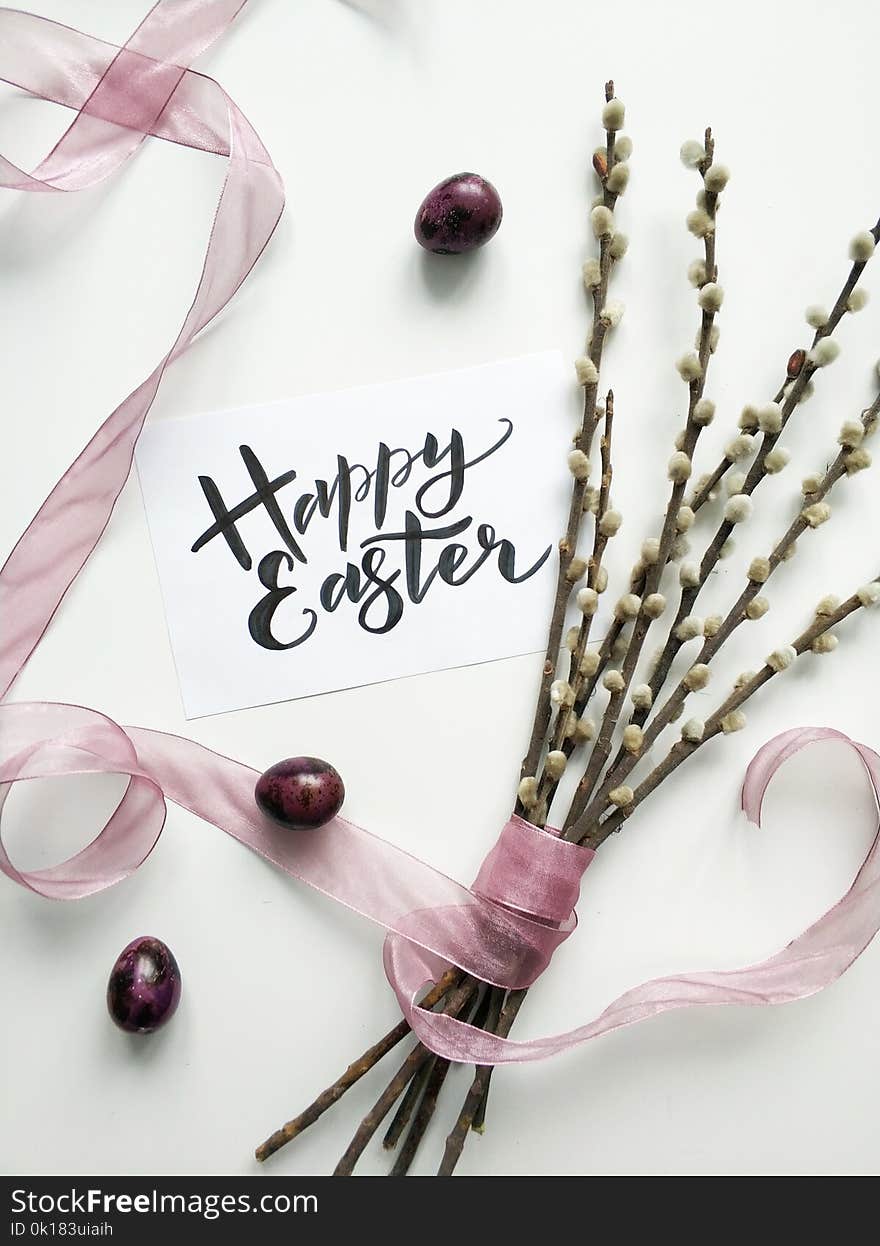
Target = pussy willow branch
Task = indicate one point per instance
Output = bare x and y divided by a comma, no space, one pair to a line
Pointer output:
790,398
600,544
790,393
586,687
561,738
683,749
473,1111
837,313
474,1108
661,717
568,544
653,573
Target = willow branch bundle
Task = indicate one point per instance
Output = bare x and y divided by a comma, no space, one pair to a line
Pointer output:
607,751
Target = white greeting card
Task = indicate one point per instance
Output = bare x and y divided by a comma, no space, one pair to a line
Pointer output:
341,539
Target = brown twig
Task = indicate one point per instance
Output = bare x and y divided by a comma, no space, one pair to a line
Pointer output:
578,681
789,397
485,1017
458,1000
661,717
435,1075
407,1105
652,574
499,1021
439,1070
683,749
353,1073
490,1008
568,544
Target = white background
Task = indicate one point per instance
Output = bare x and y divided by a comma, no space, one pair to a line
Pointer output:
509,405
363,110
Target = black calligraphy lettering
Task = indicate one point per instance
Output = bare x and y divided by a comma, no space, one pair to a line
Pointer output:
336,587
226,520
266,493
384,477
449,561
458,465
507,555
373,585
225,524
372,564
306,505
413,535
260,618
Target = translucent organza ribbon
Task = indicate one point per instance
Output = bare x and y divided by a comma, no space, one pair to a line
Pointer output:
506,927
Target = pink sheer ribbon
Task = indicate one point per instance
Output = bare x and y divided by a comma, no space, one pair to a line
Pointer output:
505,928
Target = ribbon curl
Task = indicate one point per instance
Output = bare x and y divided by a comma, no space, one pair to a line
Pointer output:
503,930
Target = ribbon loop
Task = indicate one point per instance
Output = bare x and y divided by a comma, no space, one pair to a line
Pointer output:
81,741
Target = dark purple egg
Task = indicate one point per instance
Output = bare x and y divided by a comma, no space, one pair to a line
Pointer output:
144,987
460,214
301,792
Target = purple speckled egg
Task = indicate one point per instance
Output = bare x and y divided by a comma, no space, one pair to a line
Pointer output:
144,987
301,792
460,214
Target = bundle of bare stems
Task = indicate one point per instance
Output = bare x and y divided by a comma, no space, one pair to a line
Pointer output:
599,707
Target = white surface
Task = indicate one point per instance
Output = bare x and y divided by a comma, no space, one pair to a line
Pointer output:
489,427
363,114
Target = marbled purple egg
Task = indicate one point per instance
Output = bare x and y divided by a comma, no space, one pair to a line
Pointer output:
460,214
144,987
301,792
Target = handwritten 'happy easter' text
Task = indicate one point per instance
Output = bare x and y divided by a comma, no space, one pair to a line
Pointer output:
379,588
